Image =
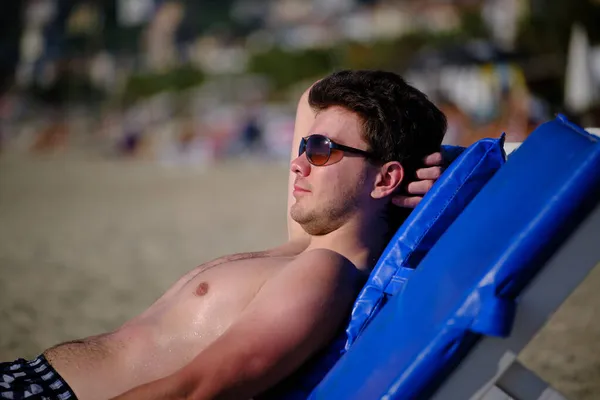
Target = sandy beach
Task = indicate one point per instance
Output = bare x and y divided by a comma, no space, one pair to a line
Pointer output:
87,243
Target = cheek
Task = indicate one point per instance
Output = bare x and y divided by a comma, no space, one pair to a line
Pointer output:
341,181
326,184
347,184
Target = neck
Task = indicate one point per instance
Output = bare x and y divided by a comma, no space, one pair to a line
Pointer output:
360,240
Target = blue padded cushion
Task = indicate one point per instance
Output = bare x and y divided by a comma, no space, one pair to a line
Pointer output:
468,282
463,179
465,176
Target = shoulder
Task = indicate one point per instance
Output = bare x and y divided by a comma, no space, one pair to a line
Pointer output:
328,257
326,266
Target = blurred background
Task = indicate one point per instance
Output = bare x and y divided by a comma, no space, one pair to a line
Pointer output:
199,80
139,138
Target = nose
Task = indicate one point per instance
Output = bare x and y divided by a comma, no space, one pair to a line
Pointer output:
300,165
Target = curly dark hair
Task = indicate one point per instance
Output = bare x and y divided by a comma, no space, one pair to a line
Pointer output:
399,122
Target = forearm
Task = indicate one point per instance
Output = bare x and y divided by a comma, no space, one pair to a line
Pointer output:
206,377
305,117
169,388
174,388
193,382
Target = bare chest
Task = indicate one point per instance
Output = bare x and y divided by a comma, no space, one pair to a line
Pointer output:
203,304
231,282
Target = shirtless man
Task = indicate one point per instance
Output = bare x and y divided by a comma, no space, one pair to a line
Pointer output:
236,326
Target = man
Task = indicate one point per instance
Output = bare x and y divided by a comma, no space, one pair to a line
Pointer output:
236,326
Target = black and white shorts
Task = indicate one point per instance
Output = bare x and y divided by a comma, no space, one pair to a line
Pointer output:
35,379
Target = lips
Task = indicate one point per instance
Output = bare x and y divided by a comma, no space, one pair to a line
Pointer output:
300,189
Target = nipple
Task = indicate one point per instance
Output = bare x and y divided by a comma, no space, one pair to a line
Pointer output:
202,289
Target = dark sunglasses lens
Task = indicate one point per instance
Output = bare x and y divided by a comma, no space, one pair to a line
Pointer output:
302,147
317,150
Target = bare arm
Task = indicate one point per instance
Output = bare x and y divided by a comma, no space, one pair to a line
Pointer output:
294,314
304,119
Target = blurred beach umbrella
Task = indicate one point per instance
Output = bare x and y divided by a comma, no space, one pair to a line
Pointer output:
579,83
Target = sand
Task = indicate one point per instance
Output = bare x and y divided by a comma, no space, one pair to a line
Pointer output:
87,243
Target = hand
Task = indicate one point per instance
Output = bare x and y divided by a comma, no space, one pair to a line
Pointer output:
426,177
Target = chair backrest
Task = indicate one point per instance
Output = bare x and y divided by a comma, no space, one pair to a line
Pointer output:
467,283
461,181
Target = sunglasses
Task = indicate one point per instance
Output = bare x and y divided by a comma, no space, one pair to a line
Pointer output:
320,150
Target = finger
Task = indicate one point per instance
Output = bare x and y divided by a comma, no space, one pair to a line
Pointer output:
432,173
406,201
419,187
433,160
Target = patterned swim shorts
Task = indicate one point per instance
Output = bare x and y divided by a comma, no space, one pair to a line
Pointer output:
34,380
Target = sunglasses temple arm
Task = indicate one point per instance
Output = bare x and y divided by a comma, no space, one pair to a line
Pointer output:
350,149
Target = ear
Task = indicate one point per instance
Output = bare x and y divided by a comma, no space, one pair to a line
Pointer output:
388,179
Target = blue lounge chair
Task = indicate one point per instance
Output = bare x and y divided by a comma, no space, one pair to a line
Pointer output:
528,237
450,329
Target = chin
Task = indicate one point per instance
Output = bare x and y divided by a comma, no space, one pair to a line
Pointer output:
314,225
303,219
314,228
298,213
